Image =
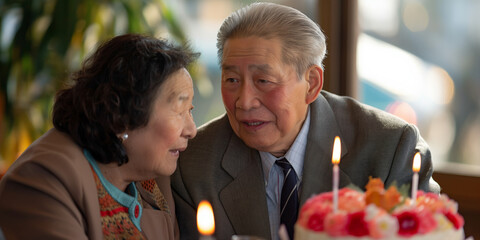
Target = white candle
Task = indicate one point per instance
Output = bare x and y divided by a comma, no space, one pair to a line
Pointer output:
335,187
336,160
205,221
416,168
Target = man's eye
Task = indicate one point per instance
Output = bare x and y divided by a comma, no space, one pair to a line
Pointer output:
262,81
231,80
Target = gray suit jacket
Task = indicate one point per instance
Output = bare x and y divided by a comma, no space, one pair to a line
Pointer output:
218,167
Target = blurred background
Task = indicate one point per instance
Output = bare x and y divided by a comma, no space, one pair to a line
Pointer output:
417,59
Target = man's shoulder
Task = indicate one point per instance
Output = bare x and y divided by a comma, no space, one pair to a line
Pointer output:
351,109
217,123
214,130
211,138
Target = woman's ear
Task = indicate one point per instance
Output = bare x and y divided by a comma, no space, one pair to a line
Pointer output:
314,78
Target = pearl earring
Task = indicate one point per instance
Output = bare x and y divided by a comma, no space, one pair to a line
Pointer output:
124,137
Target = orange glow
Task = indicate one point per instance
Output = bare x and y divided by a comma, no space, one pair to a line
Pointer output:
416,162
337,150
404,111
205,219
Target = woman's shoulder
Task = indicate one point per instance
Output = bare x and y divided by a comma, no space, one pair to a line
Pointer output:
55,156
52,148
54,172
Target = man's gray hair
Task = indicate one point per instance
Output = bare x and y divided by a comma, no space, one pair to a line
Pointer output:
303,43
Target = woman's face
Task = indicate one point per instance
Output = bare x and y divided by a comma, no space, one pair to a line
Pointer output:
153,150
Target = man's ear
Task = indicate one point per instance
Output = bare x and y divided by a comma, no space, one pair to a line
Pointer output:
314,78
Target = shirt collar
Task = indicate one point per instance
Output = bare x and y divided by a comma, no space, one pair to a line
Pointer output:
295,155
126,200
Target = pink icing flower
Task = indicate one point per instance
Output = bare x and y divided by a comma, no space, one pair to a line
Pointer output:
431,201
351,200
356,224
428,194
335,224
427,221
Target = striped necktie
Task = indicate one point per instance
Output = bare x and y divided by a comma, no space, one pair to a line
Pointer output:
289,198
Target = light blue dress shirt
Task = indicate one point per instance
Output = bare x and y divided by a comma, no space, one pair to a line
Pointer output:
273,174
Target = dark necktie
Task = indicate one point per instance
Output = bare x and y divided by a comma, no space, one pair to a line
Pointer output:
289,198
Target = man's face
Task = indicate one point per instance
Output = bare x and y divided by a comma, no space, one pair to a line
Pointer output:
265,101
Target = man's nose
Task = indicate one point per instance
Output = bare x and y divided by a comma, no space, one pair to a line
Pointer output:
248,97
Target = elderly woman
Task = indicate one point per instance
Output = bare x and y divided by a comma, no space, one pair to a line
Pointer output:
103,171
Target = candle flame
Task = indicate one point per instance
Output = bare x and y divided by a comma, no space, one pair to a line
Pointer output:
337,150
416,162
205,219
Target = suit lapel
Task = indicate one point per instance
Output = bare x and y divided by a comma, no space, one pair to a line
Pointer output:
317,166
244,198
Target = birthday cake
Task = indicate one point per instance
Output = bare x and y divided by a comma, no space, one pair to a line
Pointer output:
379,213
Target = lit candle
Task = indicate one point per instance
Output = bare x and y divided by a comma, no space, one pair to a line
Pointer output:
336,160
416,168
205,221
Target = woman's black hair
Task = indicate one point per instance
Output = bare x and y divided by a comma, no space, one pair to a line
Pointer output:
114,91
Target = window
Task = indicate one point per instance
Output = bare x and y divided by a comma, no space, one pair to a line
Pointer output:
419,59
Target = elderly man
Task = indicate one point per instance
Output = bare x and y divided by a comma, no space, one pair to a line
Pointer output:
272,149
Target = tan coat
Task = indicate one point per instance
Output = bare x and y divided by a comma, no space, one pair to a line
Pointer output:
49,193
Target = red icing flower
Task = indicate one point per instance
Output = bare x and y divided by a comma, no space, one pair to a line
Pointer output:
316,221
455,218
408,223
356,224
313,213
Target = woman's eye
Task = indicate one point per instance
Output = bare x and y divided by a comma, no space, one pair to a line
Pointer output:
187,112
